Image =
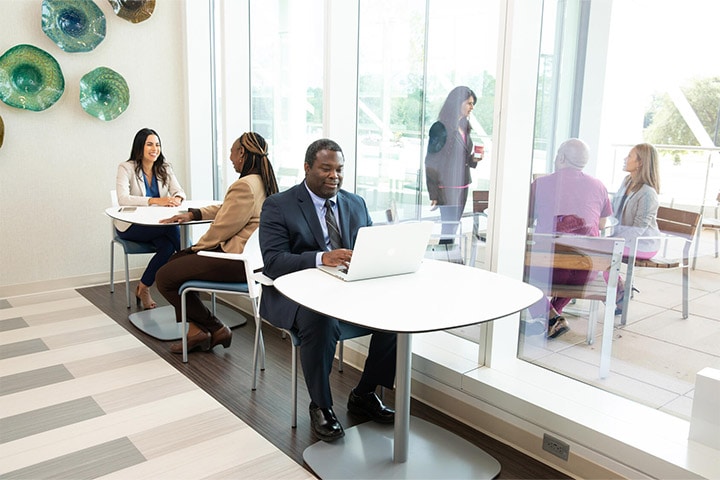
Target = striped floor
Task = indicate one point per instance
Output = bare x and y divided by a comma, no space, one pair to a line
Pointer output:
80,397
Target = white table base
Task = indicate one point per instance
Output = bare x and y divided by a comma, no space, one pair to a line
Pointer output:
366,451
160,322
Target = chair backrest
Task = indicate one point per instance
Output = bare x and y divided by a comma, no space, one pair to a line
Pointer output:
253,263
572,252
113,198
678,222
254,260
481,200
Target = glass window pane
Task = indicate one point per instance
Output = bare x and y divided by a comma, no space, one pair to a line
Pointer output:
616,82
286,65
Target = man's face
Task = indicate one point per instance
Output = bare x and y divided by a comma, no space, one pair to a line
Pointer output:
325,177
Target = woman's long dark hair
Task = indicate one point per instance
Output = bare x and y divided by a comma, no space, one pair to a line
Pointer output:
257,161
451,112
138,149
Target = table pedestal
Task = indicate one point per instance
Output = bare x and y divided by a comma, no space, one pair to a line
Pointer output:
160,322
366,451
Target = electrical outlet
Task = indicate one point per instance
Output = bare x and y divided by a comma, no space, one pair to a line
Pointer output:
556,446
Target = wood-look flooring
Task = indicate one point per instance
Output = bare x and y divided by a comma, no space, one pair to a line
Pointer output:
226,375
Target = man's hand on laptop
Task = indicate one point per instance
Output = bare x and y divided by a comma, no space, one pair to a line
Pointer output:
338,257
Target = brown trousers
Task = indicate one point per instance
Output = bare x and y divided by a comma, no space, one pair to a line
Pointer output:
187,265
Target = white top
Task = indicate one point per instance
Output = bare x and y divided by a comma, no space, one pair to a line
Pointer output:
152,215
439,296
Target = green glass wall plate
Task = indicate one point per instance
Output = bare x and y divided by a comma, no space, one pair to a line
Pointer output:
134,11
30,78
104,93
74,25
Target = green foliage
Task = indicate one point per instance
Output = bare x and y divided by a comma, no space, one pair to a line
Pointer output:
665,125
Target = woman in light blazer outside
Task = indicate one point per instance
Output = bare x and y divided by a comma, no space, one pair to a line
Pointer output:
635,205
147,179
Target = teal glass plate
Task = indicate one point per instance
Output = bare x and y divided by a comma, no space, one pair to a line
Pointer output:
30,78
74,25
104,93
134,11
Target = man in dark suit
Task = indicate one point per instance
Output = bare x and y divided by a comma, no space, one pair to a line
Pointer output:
295,234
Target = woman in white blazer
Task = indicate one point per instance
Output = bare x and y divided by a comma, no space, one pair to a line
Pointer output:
146,179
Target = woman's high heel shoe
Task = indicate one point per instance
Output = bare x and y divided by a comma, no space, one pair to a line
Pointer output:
221,336
142,296
195,340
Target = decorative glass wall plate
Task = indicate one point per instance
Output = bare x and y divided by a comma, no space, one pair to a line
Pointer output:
30,78
134,11
74,25
104,93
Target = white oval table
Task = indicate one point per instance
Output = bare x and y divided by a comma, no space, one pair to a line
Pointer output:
438,296
160,322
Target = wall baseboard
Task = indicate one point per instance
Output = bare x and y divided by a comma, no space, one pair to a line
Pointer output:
69,282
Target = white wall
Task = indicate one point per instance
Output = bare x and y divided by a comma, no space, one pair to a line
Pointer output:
58,166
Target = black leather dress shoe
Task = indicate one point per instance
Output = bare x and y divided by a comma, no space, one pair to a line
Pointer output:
325,424
369,405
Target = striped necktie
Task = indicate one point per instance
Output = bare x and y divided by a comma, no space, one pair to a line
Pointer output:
332,227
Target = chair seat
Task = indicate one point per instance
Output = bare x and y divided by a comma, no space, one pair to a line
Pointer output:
594,290
347,331
241,287
657,262
132,248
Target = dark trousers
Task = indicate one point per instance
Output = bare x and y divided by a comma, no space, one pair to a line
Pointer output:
165,239
452,209
319,335
187,265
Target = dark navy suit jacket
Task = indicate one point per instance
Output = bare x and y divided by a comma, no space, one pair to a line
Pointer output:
291,237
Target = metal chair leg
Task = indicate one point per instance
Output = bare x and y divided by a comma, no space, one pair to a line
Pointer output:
293,375
112,266
127,279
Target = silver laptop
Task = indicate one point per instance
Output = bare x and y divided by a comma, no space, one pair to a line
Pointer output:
385,250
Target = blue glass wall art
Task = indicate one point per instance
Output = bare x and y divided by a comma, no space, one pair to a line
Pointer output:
74,25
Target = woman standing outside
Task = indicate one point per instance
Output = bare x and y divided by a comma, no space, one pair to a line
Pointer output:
233,223
449,159
636,205
147,179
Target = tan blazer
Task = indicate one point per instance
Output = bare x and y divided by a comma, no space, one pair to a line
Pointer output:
130,189
236,218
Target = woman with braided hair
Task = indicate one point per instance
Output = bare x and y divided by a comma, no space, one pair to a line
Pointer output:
233,222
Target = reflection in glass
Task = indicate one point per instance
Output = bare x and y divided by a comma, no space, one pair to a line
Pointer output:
604,77
409,59
134,11
30,78
286,80
104,93
75,26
